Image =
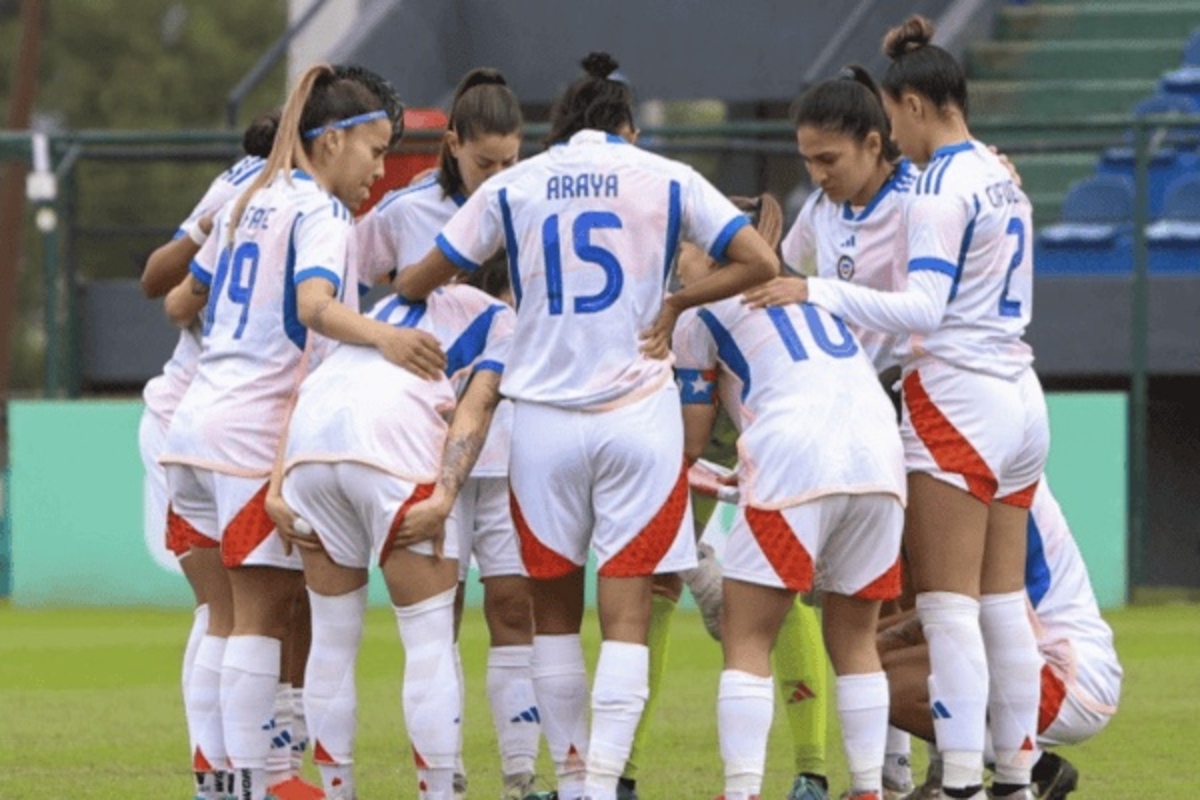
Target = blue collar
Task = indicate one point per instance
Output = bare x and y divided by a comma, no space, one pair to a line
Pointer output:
951,149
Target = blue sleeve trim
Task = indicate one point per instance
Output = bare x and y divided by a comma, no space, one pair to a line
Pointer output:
202,275
179,234
933,265
717,251
491,366
510,246
674,215
319,272
696,386
449,251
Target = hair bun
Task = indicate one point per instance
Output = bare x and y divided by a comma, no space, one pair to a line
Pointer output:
600,65
911,35
482,76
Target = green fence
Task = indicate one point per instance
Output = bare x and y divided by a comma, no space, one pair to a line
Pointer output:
77,531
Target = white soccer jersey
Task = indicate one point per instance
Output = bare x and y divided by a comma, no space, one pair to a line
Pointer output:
401,227
591,228
163,393
232,415
866,246
967,221
812,417
1067,616
360,407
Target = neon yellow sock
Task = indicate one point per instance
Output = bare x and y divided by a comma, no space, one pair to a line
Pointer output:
800,666
662,609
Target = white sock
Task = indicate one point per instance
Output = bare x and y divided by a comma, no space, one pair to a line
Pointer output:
1014,690
249,675
279,759
299,729
745,705
432,705
560,685
202,702
514,707
460,768
198,631
330,695
897,760
958,683
619,695
862,706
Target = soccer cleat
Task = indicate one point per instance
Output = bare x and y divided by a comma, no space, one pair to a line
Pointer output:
626,793
1054,777
704,581
894,790
806,787
296,789
517,787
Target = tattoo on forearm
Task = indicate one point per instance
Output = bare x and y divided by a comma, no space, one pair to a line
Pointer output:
459,458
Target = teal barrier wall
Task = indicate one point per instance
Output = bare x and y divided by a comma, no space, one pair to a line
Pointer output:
76,501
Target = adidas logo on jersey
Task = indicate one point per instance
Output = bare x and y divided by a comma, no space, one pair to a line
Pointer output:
846,245
528,715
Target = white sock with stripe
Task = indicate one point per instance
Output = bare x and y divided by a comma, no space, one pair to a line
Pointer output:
249,676
514,707
330,694
560,684
619,695
1014,667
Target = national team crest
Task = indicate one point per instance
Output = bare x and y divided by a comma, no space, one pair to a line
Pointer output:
845,268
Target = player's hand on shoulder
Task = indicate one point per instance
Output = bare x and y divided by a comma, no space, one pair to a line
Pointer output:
777,292
414,350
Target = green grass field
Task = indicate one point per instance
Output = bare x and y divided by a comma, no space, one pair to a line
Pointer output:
90,708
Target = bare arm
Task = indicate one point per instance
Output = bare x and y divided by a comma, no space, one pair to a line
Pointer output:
467,434
416,281
752,261
186,300
698,419
168,264
320,310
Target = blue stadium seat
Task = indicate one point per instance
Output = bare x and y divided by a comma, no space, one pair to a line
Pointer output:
1191,50
1166,165
1174,241
1093,235
1182,82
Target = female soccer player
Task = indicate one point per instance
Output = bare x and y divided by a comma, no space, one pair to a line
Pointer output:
483,136
372,468
821,507
591,229
272,271
974,423
167,266
1080,676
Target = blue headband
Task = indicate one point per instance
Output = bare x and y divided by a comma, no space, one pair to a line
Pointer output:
349,122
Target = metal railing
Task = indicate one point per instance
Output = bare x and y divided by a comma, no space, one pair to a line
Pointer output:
767,138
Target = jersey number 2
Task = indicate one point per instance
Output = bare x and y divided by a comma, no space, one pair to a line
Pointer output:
1012,308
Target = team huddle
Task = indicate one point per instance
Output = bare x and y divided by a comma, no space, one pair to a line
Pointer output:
538,383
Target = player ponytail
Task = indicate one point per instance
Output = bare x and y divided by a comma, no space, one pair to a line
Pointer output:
596,100
766,215
326,97
920,66
492,276
850,105
483,104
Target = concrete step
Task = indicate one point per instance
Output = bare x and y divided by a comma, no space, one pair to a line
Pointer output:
1063,59
1116,20
1056,98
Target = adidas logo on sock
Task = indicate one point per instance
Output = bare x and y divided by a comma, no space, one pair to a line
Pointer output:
940,711
528,715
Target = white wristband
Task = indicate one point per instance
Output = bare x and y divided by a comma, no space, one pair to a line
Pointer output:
197,235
